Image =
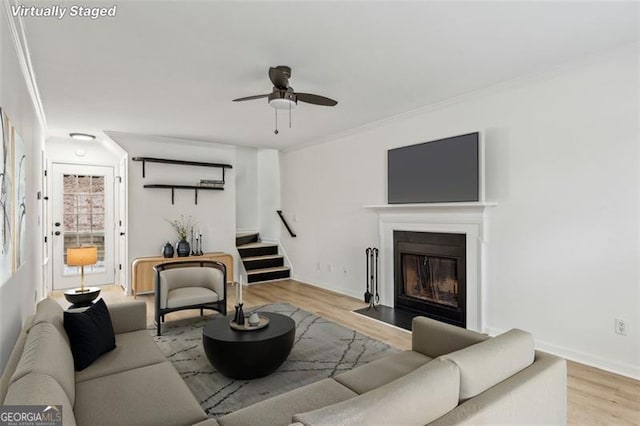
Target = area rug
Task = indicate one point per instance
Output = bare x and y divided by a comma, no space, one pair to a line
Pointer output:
321,349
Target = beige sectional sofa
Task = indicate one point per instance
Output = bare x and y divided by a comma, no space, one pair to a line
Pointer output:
451,376
133,384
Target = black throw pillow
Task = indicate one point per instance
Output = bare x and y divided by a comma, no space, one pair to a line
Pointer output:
90,334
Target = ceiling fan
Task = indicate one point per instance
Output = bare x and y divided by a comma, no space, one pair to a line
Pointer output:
283,96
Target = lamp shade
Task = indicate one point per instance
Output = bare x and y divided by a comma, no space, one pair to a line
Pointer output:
81,256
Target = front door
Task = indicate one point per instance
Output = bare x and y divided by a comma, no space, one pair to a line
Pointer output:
82,215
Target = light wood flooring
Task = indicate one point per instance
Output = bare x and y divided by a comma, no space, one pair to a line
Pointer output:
595,397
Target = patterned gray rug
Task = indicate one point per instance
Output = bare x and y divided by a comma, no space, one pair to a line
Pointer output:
322,349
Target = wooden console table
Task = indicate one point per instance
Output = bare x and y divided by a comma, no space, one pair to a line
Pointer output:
143,276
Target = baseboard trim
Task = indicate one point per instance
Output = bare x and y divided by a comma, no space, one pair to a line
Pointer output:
326,286
621,368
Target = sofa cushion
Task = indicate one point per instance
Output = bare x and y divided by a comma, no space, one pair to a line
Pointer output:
381,371
488,363
128,316
40,389
133,350
151,395
196,277
48,310
434,338
187,296
90,333
46,352
280,409
415,399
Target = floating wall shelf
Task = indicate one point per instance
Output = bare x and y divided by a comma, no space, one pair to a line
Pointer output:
195,188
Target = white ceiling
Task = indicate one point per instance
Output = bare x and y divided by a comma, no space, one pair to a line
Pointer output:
172,68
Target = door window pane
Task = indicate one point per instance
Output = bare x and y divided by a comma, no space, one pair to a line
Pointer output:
84,222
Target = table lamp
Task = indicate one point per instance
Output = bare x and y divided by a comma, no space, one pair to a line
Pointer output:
82,256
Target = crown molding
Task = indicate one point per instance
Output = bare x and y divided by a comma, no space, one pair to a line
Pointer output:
114,135
24,60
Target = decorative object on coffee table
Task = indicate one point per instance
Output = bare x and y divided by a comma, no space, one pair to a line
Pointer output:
238,318
259,323
248,355
254,319
82,256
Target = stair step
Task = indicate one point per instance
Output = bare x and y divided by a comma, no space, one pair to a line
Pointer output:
263,270
268,274
257,249
246,238
261,262
269,256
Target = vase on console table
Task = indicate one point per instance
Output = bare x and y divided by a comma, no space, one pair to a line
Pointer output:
183,248
167,250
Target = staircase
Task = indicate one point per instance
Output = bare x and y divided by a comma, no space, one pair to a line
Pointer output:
261,260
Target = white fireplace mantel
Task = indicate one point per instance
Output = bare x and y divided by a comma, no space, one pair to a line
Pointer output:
467,218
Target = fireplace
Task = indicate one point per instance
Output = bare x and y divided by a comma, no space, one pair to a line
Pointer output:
430,274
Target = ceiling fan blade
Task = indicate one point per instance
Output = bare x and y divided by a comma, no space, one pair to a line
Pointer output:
278,78
250,98
315,99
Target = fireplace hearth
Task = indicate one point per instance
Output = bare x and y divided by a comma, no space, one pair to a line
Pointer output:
430,275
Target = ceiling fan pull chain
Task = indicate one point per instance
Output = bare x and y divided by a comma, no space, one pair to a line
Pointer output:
276,131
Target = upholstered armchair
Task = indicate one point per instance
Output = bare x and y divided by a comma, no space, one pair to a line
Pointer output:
190,284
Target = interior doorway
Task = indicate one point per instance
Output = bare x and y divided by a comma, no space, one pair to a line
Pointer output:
82,214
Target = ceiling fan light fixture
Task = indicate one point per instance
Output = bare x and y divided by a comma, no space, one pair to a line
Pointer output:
283,103
283,100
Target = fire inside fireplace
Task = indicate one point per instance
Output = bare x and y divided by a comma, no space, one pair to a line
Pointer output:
430,278
430,274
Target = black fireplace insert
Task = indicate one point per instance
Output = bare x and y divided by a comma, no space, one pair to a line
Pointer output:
430,275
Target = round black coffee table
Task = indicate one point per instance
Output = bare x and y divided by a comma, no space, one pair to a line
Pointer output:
248,354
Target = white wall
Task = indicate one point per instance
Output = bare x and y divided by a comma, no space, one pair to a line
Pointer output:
562,164
18,294
148,209
246,175
269,194
64,150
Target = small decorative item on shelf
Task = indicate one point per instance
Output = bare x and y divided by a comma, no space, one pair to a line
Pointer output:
200,252
167,250
182,227
212,183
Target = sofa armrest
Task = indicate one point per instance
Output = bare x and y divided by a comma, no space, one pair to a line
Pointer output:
128,316
434,338
535,395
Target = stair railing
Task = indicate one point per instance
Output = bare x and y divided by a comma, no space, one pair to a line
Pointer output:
286,225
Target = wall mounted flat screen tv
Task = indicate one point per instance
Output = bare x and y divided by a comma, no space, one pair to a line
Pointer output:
441,171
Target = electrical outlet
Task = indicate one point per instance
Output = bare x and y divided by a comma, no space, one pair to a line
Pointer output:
621,327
